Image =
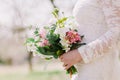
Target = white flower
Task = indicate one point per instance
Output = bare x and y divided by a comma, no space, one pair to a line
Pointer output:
31,47
61,31
71,23
65,44
63,41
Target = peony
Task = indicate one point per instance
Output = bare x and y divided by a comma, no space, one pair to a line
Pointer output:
72,36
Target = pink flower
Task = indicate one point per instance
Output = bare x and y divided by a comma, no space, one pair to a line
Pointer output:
43,33
72,36
45,42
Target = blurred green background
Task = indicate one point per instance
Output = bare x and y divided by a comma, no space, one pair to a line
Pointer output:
16,63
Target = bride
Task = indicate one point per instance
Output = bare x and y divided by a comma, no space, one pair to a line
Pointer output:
99,22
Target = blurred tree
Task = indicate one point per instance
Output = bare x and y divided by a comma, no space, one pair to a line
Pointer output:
19,28
30,57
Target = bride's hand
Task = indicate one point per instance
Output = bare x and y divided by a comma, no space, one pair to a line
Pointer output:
70,58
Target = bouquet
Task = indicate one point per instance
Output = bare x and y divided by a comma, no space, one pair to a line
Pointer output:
56,39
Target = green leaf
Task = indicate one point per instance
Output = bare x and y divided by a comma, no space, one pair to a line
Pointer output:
48,58
53,38
46,47
55,56
36,32
63,19
30,40
50,53
60,52
72,70
41,50
82,36
55,12
61,22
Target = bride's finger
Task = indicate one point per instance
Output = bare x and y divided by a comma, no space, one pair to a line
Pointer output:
67,67
61,57
64,65
62,60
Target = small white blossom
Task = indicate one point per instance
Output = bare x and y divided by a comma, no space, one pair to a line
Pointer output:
71,23
65,44
31,47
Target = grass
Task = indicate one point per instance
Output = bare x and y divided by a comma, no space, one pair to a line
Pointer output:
51,75
43,71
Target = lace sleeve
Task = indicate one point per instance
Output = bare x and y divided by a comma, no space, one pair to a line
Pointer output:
98,48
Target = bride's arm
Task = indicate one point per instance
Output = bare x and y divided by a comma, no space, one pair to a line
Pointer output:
98,48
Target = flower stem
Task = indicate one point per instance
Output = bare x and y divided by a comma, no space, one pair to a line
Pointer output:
70,74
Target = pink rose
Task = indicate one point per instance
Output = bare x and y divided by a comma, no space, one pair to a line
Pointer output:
72,36
43,33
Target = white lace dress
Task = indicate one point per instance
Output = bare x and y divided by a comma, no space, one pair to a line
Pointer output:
99,22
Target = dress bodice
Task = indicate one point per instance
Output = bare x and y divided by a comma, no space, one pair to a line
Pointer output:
91,20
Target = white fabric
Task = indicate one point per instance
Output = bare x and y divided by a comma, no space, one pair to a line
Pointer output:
99,22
